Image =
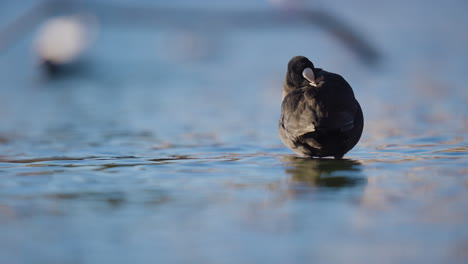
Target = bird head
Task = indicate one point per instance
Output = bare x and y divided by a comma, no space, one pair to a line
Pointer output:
301,72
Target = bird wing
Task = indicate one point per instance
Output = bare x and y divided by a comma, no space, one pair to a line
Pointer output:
298,116
342,121
337,106
305,111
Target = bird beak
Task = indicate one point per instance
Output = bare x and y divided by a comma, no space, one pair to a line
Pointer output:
309,75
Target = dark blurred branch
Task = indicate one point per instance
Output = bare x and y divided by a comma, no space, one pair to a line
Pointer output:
196,17
345,35
21,25
26,22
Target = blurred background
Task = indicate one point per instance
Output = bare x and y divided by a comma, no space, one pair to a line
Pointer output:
147,131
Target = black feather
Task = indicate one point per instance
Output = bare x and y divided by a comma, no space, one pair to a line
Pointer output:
321,120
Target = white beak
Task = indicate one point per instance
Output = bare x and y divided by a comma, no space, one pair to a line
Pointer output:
309,75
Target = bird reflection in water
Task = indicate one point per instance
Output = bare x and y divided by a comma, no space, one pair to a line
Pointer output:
324,173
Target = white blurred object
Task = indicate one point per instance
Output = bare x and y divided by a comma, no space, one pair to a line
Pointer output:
62,39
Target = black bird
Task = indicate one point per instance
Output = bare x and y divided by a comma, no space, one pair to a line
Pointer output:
319,115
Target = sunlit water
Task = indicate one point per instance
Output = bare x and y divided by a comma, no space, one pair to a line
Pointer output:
152,152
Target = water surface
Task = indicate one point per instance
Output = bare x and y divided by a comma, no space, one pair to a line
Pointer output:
154,151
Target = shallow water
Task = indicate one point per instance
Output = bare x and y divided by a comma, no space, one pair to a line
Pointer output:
153,151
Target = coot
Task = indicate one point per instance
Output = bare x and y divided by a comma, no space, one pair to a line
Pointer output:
320,116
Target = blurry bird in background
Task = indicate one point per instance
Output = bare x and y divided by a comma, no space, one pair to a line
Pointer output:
60,41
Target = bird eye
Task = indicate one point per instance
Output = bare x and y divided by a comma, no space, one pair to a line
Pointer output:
309,75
